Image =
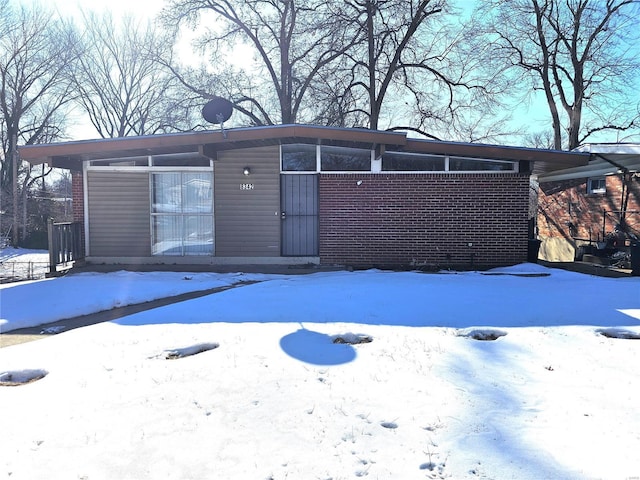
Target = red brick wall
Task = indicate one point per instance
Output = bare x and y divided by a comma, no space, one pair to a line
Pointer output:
563,203
77,183
78,196
428,220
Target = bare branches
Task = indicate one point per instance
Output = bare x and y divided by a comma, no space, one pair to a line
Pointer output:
36,51
121,85
303,45
413,129
291,40
580,57
408,64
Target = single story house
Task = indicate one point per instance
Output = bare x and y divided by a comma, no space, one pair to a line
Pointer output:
301,194
584,205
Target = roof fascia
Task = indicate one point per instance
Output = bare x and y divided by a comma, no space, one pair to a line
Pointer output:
496,152
598,166
196,141
72,154
610,148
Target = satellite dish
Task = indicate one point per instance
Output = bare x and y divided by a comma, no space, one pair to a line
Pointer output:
217,110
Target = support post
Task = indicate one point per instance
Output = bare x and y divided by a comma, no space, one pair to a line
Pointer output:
53,248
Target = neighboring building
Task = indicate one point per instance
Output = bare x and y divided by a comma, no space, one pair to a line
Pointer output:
586,204
296,194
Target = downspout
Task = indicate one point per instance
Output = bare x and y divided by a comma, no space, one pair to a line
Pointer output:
85,207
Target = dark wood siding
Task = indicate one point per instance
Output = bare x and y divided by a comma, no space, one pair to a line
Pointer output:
247,221
119,214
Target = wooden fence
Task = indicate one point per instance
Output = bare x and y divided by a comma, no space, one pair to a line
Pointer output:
65,245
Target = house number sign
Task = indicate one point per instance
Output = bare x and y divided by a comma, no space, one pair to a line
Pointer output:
246,186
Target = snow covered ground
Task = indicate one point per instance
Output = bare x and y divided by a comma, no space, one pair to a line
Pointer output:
460,375
23,264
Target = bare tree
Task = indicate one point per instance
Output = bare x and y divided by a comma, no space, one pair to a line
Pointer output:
122,87
36,49
293,42
391,48
577,53
409,70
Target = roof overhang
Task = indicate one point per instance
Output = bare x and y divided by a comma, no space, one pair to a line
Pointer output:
71,155
605,159
542,160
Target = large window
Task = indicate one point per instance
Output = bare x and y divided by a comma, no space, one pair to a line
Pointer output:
182,213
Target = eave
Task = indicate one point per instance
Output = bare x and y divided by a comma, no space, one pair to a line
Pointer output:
605,159
71,155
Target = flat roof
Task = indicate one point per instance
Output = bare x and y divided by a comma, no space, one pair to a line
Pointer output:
70,155
605,159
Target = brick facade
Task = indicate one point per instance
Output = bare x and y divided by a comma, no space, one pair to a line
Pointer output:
565,210
77,188
414,220
424,220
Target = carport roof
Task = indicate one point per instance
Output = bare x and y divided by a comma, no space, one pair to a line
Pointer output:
605,159
70,155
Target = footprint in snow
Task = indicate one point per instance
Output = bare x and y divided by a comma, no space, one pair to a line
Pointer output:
352,339
188,351
482,334
619,333
21,377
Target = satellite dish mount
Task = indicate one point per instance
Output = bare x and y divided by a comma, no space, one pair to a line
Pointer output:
217,111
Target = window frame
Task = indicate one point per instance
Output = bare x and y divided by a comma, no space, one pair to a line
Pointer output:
177,163
377,163
293,172
447,164
318,166
336,150
415,156
142,163
598,190
183,215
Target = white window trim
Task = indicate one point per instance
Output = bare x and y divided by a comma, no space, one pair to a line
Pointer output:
376,165
447,168
150,167
153,214
85,207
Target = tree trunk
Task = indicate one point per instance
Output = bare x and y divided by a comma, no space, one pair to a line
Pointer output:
14,169
373,104
25,217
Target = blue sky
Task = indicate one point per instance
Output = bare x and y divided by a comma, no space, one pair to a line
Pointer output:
535,114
